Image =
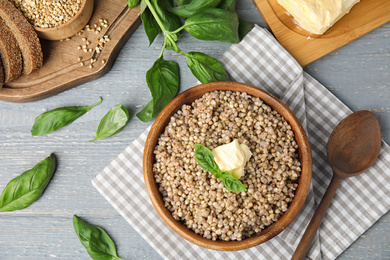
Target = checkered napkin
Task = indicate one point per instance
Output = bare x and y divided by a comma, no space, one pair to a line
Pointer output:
259,60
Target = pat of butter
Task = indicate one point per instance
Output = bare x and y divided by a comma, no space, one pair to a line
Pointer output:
317,16
232,157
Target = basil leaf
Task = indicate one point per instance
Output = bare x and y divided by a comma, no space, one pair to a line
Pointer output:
147,113
205,158
151,27
213,24
182,2
243,28
25,189
170,21
205,68
112,122
163,81
231,183
98,243
228,5
143,6
132,3
194,6
57,118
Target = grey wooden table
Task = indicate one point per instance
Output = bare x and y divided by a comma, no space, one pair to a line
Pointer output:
358,74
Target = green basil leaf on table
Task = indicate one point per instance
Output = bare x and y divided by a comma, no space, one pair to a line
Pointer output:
112,122
231,183
206,68
55,119
205,158
25,189
213,24
193,7
132,3
96,241
163,81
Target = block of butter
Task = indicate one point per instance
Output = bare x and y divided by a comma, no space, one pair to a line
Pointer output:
317,16
232,157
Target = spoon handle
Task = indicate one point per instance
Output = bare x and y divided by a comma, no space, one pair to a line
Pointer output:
304,244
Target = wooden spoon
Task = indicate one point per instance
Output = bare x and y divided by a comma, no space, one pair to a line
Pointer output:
352,148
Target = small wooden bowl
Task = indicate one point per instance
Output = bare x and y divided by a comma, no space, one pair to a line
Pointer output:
71,27
187,97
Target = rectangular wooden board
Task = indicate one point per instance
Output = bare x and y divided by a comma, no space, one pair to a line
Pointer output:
364,17
62,69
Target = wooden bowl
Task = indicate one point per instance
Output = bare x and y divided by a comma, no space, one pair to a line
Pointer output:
187,97
71,27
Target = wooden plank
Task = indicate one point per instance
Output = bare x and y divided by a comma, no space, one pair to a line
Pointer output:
358,74
364,17
62,70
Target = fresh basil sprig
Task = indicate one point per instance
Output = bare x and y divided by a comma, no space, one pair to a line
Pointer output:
205,158
98,243
112,122
55,119
205,20
25,189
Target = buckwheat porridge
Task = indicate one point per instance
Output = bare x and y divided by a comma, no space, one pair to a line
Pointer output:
198,199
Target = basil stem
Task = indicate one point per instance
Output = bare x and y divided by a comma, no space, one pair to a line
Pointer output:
25,189
55,119
112,122
96,241
205,158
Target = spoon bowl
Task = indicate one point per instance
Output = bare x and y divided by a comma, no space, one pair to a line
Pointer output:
354,144
352,148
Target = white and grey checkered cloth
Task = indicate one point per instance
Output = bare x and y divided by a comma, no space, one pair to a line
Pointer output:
259,60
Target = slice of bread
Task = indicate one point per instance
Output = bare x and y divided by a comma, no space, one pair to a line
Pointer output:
10,54
24,34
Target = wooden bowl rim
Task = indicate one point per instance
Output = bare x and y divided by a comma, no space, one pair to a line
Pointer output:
74,18
295,206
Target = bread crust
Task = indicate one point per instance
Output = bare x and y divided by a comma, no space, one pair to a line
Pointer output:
24,34
1,75
10,54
